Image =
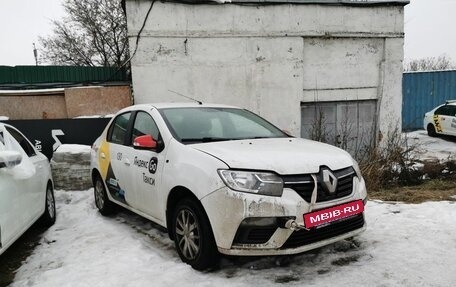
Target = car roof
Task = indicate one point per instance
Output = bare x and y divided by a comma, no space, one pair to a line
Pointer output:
160,106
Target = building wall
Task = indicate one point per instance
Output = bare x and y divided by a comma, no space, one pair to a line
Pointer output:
63,103
45,104
96,100
270,59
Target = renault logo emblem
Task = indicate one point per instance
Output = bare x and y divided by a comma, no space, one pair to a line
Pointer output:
329,181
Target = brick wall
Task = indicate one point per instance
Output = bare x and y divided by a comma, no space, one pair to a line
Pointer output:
64,103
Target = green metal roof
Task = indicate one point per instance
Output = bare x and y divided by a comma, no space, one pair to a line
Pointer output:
39,75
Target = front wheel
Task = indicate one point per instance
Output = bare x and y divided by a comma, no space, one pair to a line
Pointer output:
49,215
104,205
431,131
193,236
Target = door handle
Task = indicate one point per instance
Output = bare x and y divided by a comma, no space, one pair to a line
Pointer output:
126,162
102,155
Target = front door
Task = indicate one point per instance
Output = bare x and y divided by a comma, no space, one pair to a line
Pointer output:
29,179
147,166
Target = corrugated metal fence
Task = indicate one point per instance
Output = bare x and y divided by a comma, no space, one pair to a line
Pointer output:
423,91
59,74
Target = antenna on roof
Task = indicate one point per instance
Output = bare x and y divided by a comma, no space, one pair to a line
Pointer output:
179,94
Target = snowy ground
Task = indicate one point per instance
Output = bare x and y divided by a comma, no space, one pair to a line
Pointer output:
429,148
404,245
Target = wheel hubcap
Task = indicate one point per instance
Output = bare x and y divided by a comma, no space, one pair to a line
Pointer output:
99,200
50,203
188,234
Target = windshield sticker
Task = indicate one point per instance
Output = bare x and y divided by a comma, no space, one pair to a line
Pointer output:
438,126
153,165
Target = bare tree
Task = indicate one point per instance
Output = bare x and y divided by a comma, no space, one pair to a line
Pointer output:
93,33
442,62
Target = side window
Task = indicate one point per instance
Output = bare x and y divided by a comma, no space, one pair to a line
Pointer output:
118,129
444,111
452,111
26,146
144,125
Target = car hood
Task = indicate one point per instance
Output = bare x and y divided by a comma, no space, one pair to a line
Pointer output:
281,155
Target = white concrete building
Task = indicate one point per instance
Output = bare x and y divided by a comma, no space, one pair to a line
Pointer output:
289,62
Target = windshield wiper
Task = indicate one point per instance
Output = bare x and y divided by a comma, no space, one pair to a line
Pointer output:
204,139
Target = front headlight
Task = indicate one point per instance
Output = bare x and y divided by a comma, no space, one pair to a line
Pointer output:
357,169
253,182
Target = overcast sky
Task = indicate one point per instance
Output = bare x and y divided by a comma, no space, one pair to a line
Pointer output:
429,27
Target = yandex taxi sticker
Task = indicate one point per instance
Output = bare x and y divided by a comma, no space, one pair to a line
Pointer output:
333,213
438,126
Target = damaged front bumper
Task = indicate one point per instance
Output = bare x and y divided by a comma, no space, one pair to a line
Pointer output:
247,224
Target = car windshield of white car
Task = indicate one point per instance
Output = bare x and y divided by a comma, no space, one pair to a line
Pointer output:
196,125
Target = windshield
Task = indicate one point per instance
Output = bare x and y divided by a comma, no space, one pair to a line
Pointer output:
195,125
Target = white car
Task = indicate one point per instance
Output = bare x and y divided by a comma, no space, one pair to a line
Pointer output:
441,120
223,180
26,188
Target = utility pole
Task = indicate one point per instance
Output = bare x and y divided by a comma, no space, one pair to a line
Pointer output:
35,53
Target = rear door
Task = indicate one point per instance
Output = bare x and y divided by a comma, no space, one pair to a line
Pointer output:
116,155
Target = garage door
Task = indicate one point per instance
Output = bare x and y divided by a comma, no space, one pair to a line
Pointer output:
347,124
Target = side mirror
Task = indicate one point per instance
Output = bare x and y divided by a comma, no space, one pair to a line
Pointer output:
145,142
10,158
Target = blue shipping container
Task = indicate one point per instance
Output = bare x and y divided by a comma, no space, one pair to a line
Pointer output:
423,91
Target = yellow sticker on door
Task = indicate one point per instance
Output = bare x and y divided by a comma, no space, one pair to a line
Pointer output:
438,126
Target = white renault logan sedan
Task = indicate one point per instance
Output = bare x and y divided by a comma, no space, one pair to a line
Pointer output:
26,192
223,180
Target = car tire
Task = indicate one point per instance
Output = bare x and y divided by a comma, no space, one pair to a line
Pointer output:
431,130
104,205
49,215
193,236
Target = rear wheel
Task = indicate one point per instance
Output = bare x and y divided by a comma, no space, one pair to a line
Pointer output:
193,236
104,205
49,215
431,130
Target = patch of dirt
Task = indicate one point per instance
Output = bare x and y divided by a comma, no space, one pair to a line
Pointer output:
17,253
345,260
286,279
434,190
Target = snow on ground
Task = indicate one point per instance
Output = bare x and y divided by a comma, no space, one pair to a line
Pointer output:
404,245
431,148
73,148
